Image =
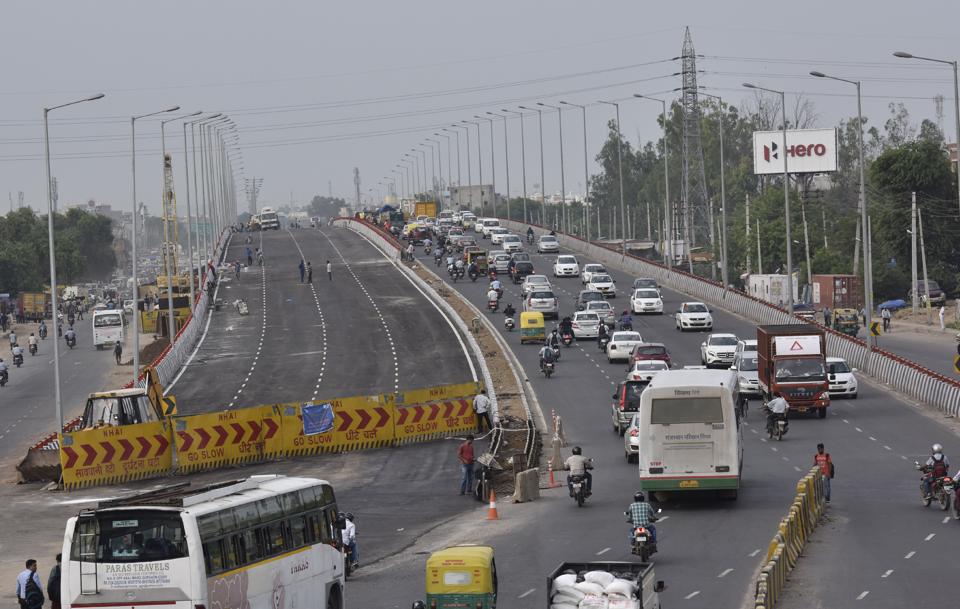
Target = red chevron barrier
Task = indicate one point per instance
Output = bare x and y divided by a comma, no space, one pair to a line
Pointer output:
109,455
434,420
213,440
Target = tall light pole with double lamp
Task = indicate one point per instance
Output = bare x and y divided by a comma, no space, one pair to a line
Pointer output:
483,207
493,162
867,246
586,173
543,185
506,155
723,202
668,217
563,184
133,239
956,104
523,160
786,193
186,171
623,214
50,244
459,178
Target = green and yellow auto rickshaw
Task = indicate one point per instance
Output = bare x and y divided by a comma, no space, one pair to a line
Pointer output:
462,576
532,327
846,321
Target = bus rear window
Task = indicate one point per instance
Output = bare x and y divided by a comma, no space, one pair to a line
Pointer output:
107,320
128,536
671,411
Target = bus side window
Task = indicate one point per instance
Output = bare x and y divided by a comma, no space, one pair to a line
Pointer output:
314,526
329,525
231,557
250,546
213,556
298,531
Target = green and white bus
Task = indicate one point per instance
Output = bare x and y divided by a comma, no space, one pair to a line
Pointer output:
689,433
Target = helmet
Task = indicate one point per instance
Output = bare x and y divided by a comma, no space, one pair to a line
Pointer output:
419,605
577,450
936,448
638,496
349,516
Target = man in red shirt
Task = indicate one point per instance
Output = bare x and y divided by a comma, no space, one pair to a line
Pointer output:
465,455
825,463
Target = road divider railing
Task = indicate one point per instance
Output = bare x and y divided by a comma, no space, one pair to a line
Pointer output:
904,376
792,534
191,443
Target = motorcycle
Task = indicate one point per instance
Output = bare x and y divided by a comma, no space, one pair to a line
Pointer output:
71,342
18,360
427,250
643,544
938,486
777,426
547,369
4,377
530,238
474,276
566,338
43,332
33,349
626,325
438,258
508,323
493,305
602,343
578,488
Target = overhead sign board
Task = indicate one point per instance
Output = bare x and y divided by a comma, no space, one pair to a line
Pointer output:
797,345
807,151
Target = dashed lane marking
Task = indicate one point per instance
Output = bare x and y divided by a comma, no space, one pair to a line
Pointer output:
527,593
887,574
725,572
691,595
754,553
323,324
909,555
603,551
946,519
930,536
863,595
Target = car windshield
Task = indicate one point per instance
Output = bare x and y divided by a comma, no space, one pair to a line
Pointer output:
645,283
511,238
653,365
601,279
748,364
647,294
626,336
695,308
521,256
566,260
838,367
723,341
542,295
653,350
594,268
799,370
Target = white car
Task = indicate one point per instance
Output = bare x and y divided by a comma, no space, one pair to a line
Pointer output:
748,381
128,307
511,243
542,300
745,344
566,266
478,225
621,344
842,381
646,300
496,234
548,243
718,350
645,370
694,316
534,282
603,284
631,440
604,309
589,270
487,224
586,325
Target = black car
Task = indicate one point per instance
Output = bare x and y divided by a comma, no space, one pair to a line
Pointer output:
520,270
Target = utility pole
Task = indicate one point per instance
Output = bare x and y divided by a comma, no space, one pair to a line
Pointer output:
649,231
856,248
823,218
759,257
913,250
923,258
748,234
356,185
806,242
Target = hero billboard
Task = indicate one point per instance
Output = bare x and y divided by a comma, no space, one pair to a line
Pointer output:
807,151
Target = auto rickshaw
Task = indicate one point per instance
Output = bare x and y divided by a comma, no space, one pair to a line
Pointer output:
532,328
462,576
478,257
846,321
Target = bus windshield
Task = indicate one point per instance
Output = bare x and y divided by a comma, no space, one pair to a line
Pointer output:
799,370
670,411
128,536
107,320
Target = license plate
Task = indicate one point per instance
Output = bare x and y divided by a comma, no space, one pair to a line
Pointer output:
641,538
801,409
576,486
689,484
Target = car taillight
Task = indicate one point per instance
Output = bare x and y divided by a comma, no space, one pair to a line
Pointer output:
623,396
634,433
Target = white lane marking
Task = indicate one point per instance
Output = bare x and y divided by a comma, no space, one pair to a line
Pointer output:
773,448
691,595
845,421
858,429
663,518
885,447
527,593
797,468
754,553
909,555
603,551
863,595
887,574
930,536
872,438
946,519
725,572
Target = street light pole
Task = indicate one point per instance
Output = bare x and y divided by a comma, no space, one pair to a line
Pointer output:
523,161
668,217
563,185
867,246
459,178
493,163
186,171
449,167
724,270
786,193
53,258
506,155
956,103
623,216
586,173
543,186
479,161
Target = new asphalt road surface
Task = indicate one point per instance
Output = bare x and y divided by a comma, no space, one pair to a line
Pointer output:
880,538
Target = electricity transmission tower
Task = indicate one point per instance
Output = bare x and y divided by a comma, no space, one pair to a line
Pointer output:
696,202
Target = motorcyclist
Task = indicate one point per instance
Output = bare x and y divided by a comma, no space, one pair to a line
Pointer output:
438,255
602,332
626,320
642,514
775,408
473,269
13,339
42,330
553,341
529,233
566,326
578,465
3,369
509,311
937,466
17,352
70,335
497,287
546,355
32,342
492,295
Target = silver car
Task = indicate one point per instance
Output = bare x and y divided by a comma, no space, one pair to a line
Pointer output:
543,301
631,441
535,282
605,310
501,263
745,365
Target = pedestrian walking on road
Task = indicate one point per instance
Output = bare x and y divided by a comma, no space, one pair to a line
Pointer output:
942,313
309,273
118,351
885,315
329,271
236,269
481,406
53,584
825,463
465,456
249,256
29,587
826,316
303,270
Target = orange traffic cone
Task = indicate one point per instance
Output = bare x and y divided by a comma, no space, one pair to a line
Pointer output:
492,511
553,482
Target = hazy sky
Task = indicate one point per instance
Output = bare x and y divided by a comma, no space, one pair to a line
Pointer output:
317,88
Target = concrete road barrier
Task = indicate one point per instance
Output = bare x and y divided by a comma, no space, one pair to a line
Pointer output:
110,455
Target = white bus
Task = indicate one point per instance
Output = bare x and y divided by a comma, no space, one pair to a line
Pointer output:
269,219
689,432
265,542
107,327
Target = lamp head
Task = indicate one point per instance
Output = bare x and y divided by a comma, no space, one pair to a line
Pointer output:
95,97
749,85
173,109
903,55
818,74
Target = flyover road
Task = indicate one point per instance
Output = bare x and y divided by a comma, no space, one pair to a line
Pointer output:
366,331
933,351
711,548
27,401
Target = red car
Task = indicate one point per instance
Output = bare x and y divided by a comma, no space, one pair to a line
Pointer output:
648,351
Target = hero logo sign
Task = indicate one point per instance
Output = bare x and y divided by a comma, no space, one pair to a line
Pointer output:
807,151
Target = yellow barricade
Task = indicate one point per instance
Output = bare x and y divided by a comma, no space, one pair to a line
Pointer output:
207,441
359,423
435,412
110,455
